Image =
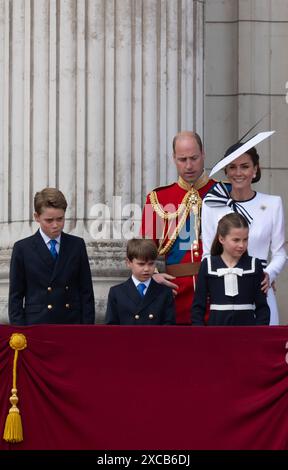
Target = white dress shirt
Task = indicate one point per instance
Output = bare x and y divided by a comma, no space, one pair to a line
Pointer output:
47,240
136,282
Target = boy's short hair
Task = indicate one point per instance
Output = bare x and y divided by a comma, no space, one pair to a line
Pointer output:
49,197
141,248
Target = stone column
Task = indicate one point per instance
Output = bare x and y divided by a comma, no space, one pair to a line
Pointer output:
91,94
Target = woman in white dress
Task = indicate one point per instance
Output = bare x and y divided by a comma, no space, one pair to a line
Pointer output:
263,212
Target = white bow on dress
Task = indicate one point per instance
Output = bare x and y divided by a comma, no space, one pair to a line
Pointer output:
230,279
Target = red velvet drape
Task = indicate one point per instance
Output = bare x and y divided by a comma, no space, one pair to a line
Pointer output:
111,387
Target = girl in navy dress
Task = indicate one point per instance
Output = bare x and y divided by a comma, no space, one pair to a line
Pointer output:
230,280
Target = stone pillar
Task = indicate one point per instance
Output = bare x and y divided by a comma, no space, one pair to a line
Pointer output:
91,94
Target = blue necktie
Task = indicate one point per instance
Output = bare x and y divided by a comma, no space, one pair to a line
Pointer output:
52,248
141,287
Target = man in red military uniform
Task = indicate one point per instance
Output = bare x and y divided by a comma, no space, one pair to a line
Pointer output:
172,217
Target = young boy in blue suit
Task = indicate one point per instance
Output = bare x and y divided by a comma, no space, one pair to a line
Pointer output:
140,300
50,277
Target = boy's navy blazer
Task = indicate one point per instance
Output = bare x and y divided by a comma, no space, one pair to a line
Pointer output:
43,290
126,306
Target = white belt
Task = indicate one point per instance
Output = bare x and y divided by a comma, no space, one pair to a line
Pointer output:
232,307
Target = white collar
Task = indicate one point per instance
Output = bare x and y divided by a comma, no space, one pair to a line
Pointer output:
136,281
47,239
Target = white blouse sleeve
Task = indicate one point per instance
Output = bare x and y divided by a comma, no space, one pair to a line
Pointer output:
208,227
277,246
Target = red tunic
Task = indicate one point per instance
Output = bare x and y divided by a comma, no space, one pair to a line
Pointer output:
179,246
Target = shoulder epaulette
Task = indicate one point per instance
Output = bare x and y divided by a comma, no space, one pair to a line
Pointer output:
163,187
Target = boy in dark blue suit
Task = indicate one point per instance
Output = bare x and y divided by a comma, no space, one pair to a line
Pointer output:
140,300
50,277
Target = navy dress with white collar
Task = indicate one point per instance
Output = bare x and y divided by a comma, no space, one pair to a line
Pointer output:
234,294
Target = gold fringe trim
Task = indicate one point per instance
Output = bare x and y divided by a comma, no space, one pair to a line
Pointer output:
191,201
13,431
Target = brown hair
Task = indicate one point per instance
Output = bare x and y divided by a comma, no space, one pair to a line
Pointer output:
141,248
229,221
49,197
252,154
191,134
